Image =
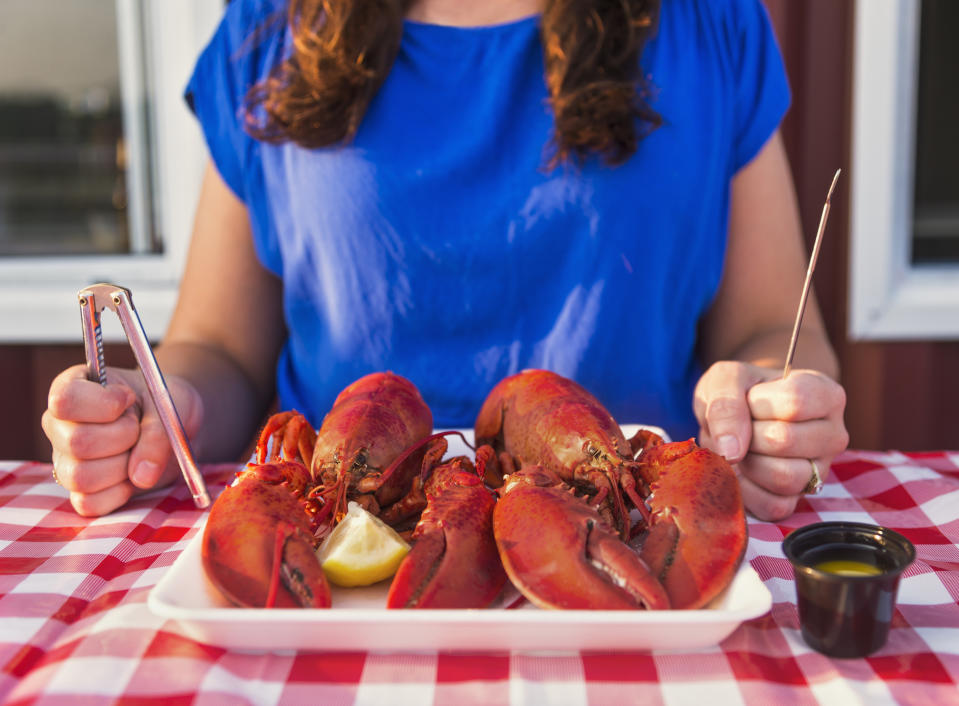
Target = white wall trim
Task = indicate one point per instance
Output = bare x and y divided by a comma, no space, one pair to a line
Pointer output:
38,302
889,298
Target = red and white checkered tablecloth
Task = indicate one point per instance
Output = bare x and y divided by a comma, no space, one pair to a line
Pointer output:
75,627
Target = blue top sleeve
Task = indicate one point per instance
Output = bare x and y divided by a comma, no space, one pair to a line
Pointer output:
216,100
244,48
762,91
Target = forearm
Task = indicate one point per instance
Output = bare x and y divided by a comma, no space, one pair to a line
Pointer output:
227,328
768,349
233,404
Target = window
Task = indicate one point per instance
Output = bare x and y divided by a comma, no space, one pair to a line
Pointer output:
904,278
935,236
100,160
63,185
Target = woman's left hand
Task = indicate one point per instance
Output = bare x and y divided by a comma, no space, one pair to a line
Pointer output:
772,429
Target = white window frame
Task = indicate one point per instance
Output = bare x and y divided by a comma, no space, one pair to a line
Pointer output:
889,297
38,302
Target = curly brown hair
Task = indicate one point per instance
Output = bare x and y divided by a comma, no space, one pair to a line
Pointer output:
343,50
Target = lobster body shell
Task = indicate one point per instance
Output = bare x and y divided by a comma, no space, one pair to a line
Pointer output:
537,417
541,418
372,421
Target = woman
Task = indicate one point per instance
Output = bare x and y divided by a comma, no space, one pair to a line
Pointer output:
397,186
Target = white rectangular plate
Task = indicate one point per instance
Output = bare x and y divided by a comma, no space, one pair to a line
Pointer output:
360,621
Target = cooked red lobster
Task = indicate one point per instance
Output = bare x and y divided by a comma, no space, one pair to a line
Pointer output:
559,526
260,538
590,475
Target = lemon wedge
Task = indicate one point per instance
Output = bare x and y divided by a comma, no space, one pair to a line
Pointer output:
361,549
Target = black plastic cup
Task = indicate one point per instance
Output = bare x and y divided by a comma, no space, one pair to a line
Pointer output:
846,615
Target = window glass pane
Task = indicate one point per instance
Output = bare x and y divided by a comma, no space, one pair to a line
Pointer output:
936,214
65,130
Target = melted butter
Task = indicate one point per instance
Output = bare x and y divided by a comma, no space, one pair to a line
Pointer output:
848,567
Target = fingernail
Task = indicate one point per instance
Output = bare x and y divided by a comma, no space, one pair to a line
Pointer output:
728,446
145,474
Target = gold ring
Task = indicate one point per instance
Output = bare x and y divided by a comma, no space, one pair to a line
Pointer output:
814,486
55,479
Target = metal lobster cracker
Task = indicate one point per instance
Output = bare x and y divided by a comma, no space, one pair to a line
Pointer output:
93,300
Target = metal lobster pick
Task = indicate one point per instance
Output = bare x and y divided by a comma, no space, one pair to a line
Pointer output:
95,299
807,285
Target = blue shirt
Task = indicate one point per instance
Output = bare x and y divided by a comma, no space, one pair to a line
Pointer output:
437,245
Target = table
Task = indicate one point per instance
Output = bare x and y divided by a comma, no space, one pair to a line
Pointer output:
74,622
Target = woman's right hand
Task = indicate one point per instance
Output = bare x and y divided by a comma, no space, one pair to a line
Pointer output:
108,442
219,358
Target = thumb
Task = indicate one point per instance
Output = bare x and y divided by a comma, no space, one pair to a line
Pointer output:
723,410
152,460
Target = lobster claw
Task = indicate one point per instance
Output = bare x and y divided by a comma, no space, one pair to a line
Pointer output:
258,544
453,562
560,553
697,524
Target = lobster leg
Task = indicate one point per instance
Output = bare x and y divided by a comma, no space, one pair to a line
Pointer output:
493,467
286,436
559,552
413,467
454,562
